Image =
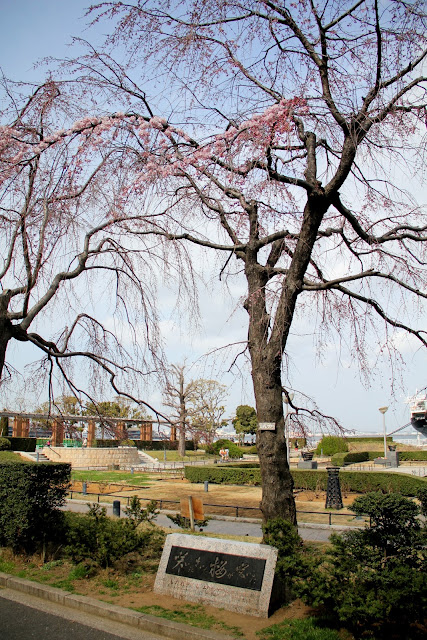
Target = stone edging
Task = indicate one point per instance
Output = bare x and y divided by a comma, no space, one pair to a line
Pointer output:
153,624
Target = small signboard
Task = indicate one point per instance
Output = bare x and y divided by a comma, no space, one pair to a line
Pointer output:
232,575
267,426
198,512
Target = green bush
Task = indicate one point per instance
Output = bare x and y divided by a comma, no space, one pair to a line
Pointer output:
4,444
412,455
282,535
30,497
233,450
310,479
106,540
331,445
373,439
374,580
341,459
422,497
403,455
127,443
224,474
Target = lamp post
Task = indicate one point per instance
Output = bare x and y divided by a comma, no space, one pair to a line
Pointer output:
286,399
383,411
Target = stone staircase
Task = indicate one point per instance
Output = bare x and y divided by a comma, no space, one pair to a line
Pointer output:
34,456
148,461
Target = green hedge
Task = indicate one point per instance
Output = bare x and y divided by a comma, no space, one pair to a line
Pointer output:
224,474
373,439
341,459
30,497
313,480
22,444
413,455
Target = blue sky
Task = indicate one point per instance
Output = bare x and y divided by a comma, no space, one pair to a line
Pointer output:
33,29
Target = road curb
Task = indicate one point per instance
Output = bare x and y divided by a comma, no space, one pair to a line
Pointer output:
143,621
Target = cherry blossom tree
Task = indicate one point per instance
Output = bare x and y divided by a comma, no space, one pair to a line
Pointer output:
63,254
276,135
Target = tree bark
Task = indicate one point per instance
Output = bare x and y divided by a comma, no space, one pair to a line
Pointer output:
6,332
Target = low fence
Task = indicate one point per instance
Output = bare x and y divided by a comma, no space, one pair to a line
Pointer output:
237,511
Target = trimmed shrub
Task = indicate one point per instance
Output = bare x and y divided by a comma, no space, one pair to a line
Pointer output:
4,444
312,480
331,445
30,497
412,455
233,450
224,474
22,444
341,459
373,439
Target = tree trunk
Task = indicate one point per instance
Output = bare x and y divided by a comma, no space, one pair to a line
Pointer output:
277,483
182,416
5,336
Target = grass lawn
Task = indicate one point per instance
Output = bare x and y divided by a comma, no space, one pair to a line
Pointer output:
110,477
11,456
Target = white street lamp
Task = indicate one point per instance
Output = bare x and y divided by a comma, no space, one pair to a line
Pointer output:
287,399
383,411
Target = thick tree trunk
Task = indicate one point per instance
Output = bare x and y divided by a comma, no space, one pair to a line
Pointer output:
277,482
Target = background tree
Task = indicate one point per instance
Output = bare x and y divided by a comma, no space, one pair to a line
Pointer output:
208,409
179,396
245,422
280,153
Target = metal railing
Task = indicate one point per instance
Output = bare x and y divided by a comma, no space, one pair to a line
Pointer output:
236,509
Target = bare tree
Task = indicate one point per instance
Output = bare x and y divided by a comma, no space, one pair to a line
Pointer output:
180,396
208,409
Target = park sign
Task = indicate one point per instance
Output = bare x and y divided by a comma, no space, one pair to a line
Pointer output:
232,575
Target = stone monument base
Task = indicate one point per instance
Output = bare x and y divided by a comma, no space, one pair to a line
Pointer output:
307,464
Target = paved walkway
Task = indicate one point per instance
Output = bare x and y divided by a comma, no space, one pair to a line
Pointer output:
227,525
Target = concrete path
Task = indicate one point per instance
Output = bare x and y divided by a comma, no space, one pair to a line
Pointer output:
226,525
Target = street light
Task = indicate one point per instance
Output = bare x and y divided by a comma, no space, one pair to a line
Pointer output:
287,399
383,411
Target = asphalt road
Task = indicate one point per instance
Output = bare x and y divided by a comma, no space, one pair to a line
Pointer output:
23,617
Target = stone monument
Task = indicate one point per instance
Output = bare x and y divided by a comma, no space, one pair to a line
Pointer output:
232,575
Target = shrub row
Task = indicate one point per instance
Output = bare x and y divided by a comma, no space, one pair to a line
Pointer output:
313,480
412,455
22,444
373,439
340,459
